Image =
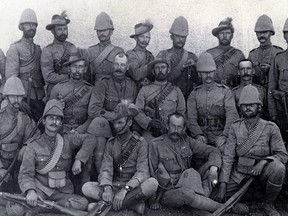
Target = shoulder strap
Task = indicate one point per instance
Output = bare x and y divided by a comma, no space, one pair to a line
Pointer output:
182,61
70,101
221,59
99,59
162,95
12,132
35,55
54,157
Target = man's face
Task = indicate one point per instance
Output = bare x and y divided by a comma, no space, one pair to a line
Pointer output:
29,29
104,35
120,66
225,36
143,39
207,77
77,69
15,100
263,36
178,41
121,125
60,32
161,71
176,127
246,70
52,123
285,34
249,110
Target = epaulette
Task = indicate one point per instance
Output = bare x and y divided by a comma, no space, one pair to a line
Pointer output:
67,42
157,139
238,120
92,46
253,49
222,85
278,47
235,88
32,139
87,83
197,87
111,139
137,136
283,51
64,81
16,41
49,45
271,123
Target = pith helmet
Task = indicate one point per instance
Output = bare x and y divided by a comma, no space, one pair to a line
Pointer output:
180,27
264,23
28,16
205,63
224,24
249,95
103,22
142,28
13,86
162,57
61,19
53,107
285,26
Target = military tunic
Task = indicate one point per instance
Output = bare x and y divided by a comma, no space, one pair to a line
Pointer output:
76,114
211,111
2,69
227,71
263,55
52,59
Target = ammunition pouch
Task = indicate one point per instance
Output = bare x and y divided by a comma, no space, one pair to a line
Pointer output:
245,165
8,150
57,179
110,104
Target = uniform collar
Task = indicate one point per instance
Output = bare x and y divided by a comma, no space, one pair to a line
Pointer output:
104,44
209,87
26,40
10,110
224,47
177,51
138,48
58,42
76,83
266,46
160,83
50,141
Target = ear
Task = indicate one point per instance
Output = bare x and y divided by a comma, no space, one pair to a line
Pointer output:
21,27
130,121
171,37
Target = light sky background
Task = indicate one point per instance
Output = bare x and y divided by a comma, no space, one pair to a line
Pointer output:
202,16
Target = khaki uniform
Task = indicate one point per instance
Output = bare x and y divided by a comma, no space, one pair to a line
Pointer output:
211,112
227,72
2,69
52,59
105,68
263,55
76,114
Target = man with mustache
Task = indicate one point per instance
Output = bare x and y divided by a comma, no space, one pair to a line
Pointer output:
56,54
263,56
225,56
23,60
254,148
139,57
210,107
101,55
171,164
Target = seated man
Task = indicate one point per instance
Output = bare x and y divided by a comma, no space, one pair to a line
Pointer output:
124,174
47,160
180,184
254,148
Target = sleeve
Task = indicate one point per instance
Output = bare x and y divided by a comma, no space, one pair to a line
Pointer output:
136,71
107,169
12,62
181,105
28,128
272,85
96,100
54,93
153,158
2,65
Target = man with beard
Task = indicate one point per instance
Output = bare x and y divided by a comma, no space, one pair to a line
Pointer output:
226,57
139,57
210,107
158,99
179,183
101,55
46,162
106,94
23,60
56,54
246,72
254,148
263,56
15,130
183,70
124,176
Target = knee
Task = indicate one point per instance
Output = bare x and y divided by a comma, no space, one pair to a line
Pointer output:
77,202
149,187
278,171
15,209
91,190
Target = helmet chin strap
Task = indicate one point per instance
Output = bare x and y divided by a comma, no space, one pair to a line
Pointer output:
123,130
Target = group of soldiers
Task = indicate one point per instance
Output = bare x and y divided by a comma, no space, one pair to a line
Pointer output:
82,126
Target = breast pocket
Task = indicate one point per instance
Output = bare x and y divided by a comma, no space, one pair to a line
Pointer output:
41,161
170,104
261,149
64,162
283,74
168,162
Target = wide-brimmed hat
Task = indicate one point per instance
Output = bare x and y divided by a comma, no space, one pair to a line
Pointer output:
61,19
142,28
75,58
162,57
224,24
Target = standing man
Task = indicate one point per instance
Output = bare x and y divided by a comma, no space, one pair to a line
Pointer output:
139,57
101,55
23,60
56,54
263,56
210,107
124,176
254,148
2,73
225,56
183,63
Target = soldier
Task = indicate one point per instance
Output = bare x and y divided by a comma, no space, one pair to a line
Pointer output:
226,57
183,70
263,55
2,73
47,159
277,96
170,160
15,130
124,176
158,99
101,55
75,93
246,72
57,53
106,94
210,107
254,148
139,57
23,60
